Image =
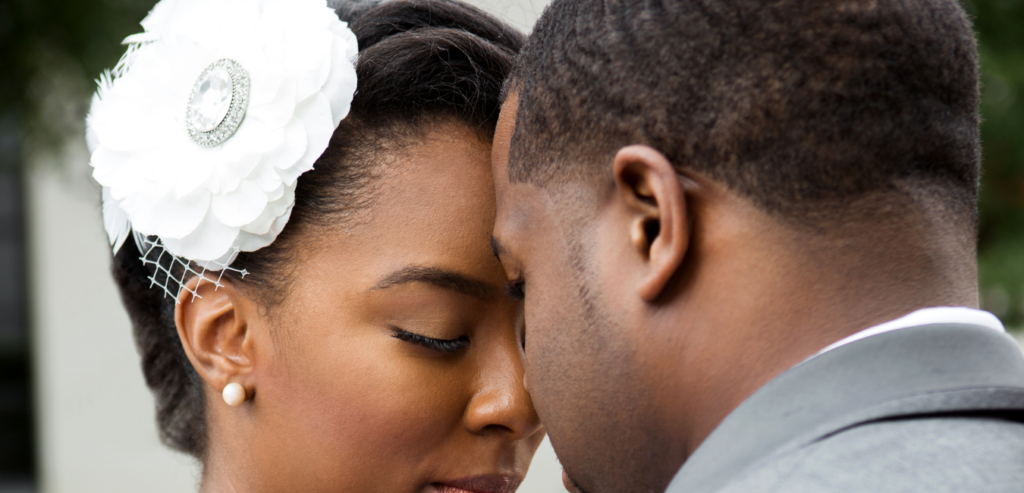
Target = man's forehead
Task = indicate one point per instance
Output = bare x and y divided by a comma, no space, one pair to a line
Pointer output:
516,208
503,140
499,156
526,218
523,209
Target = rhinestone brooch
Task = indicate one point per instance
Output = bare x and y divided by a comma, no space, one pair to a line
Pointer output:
219,99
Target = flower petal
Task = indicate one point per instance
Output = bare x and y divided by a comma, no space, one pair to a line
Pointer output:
211,240
341,83
293,147
266,177
206,202
115,221
167,216
240,207
272,212
249,242
278,111
108,164
315,114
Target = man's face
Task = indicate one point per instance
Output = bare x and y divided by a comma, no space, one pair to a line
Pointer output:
581,368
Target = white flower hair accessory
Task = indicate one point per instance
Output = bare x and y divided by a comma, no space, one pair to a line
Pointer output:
199,134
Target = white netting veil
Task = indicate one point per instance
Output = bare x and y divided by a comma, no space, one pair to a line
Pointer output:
171,273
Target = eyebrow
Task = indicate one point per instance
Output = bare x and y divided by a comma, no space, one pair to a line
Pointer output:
442,278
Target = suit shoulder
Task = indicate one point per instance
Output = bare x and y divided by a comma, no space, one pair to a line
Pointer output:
934,454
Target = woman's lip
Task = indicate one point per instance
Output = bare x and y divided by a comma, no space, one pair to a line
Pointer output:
494,483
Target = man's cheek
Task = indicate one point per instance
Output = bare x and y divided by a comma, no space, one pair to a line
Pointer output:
545,341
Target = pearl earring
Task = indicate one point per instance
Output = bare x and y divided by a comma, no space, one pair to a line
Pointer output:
234,394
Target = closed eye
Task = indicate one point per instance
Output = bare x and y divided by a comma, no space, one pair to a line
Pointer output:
440,345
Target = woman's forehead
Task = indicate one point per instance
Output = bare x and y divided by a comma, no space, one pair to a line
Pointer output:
434,208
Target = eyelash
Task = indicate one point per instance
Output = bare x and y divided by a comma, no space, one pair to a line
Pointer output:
516,290
439,345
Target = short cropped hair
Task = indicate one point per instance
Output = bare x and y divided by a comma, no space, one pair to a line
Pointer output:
798,105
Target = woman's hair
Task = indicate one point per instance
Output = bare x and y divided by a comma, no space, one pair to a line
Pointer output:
421,62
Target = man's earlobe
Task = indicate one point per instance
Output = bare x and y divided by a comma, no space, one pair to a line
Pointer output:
214,334
650,188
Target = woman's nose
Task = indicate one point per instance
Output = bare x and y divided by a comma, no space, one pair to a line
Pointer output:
501,403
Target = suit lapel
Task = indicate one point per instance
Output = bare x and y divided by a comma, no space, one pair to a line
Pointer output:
918,370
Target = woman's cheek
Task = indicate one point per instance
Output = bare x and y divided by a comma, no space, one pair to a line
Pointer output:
382,395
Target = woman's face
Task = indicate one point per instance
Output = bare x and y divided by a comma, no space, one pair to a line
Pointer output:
393,364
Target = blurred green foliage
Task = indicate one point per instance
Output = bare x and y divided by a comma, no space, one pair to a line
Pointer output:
44,43
65,43
1000,28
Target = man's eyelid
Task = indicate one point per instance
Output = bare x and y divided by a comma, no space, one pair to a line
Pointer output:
513,269
503,254
497,249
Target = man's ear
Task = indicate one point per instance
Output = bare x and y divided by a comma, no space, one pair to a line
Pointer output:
214,333
650,188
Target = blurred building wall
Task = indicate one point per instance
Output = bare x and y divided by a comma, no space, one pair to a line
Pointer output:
95,417
96,428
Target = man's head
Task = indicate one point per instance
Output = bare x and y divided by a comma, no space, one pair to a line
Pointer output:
697,194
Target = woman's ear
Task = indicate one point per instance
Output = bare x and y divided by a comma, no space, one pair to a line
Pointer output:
651,190
214,333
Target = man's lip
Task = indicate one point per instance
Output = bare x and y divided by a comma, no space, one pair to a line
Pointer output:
493,483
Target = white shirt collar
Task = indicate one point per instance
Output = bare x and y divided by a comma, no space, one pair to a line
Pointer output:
926,316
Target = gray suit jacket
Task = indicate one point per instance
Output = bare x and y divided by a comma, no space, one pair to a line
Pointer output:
937,408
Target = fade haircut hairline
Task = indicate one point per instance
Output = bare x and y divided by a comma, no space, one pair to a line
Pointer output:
800,106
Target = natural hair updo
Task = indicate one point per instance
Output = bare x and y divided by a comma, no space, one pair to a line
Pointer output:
420,62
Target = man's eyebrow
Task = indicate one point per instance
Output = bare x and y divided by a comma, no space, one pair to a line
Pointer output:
497,248
442,278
